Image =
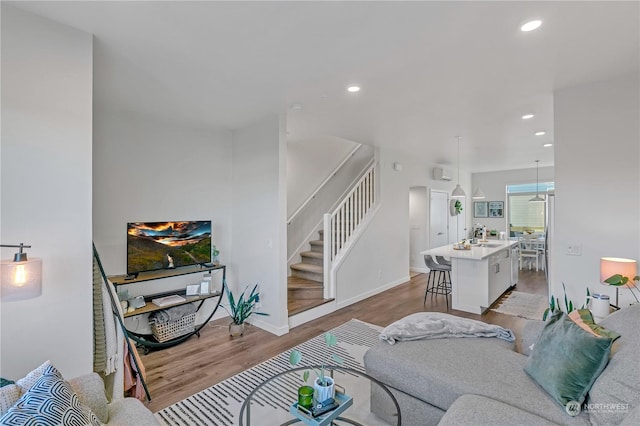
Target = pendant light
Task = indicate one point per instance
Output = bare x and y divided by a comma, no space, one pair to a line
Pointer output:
478,194
458,192
537,198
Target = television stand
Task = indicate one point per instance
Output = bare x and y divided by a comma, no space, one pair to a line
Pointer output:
147,341
118,280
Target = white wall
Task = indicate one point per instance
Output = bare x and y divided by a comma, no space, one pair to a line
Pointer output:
597,152
46,190
148,170
494,185
309,163
259,218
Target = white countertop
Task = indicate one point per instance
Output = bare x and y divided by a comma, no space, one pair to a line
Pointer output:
477,252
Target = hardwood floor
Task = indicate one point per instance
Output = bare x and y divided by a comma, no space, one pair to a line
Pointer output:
178,372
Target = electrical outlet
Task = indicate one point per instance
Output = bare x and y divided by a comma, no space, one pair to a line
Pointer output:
574,249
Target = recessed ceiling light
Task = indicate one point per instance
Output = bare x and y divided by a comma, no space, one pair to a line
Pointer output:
547,145
353,89
541,133
296,107
527,116
531,25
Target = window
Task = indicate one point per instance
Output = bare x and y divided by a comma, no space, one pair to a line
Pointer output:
524,215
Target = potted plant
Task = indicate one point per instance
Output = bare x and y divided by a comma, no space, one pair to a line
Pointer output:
554,305
323,384
242,309
455,207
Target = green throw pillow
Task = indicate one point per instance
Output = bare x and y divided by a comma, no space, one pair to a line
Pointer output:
566,360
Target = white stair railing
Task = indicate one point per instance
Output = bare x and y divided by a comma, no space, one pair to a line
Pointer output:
341,225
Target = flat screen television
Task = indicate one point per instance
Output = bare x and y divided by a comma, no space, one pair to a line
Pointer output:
164,245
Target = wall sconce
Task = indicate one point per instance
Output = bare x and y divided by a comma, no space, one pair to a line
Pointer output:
20,278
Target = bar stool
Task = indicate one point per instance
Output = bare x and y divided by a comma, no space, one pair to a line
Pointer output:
439,285
443,261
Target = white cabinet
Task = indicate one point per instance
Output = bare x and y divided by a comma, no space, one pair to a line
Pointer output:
499,274
479,275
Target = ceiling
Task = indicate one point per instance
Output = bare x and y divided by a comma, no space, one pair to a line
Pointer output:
429,71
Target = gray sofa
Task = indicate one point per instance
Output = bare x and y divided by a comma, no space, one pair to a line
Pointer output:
124,411
481,381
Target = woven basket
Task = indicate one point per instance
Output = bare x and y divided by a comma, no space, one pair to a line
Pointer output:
171,330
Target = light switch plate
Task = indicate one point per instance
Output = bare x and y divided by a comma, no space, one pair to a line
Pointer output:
574,249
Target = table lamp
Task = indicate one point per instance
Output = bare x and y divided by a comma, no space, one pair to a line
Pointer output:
618,272
20,277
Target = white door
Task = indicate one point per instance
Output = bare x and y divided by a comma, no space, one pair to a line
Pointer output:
418,213
438,219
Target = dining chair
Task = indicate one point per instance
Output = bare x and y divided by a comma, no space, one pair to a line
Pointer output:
528,252
541,247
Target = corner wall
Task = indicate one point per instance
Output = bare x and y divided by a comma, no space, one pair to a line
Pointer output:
46,191
597,152
259,229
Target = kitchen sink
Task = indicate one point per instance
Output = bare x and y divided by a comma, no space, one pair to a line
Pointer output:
490,245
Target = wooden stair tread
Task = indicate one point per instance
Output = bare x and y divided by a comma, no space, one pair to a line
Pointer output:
295,307
307,267
317,242
316,254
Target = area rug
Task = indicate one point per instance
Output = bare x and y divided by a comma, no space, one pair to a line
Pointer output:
220,404
523,305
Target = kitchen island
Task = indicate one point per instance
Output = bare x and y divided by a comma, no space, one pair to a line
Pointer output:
479,275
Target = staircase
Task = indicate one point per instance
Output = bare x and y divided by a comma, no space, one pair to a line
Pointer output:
305,287
307,276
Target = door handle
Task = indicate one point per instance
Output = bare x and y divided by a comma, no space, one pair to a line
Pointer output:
440,233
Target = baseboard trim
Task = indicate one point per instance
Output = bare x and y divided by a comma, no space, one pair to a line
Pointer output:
278,331
421,270
373,292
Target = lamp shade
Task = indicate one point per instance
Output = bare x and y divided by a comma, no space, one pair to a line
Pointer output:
610,266
458,192
20,280
478,194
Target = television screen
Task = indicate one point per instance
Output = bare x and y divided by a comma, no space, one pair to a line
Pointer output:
165,245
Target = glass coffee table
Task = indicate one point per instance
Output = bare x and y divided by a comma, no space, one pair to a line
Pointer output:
270,403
